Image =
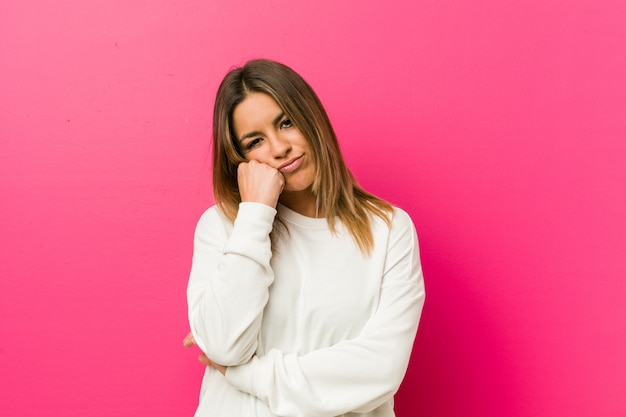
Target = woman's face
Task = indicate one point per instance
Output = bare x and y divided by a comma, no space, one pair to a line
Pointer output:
265,134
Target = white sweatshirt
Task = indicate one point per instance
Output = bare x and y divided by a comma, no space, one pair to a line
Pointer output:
312,328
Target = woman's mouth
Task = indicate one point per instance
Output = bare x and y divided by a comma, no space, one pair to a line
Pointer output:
291,165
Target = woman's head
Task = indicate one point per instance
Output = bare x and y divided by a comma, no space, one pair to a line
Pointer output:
336,193
300,104
264,133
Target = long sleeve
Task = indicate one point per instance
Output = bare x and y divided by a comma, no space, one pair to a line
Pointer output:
355,375
229,280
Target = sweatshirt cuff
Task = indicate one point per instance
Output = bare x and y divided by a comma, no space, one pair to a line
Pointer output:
253,224
249,377
255,212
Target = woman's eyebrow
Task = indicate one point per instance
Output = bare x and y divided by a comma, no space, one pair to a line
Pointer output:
277,118
257,133
249,135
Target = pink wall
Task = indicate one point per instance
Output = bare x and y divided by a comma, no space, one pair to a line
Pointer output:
499,126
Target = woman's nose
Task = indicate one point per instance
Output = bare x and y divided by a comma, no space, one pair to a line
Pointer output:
280,146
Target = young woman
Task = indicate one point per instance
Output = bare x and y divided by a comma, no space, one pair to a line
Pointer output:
305,291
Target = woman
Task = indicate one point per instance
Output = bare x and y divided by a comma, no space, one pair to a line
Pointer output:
305,291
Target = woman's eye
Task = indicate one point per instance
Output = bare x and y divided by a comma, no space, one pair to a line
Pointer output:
285,123
253,144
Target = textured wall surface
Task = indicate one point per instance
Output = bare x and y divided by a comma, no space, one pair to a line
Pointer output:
499,126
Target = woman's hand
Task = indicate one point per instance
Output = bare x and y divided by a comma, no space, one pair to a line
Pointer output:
259,183
189,341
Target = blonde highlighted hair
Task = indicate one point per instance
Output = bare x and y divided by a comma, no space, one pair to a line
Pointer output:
337,193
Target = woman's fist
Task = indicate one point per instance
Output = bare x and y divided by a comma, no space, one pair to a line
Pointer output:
259,183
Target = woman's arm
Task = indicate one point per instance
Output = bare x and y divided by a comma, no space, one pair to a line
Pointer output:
231,273
354,375
229,280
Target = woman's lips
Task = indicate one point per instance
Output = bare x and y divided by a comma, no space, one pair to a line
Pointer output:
291,165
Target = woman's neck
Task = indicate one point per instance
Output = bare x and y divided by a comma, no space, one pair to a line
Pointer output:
302,202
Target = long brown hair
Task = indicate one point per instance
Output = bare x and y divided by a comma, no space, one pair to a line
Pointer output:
337,193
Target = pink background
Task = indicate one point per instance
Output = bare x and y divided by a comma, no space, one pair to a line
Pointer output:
500,126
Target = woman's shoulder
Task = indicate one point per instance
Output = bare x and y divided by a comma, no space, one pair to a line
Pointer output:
396,217
401,223
212,214
213,220
400,216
